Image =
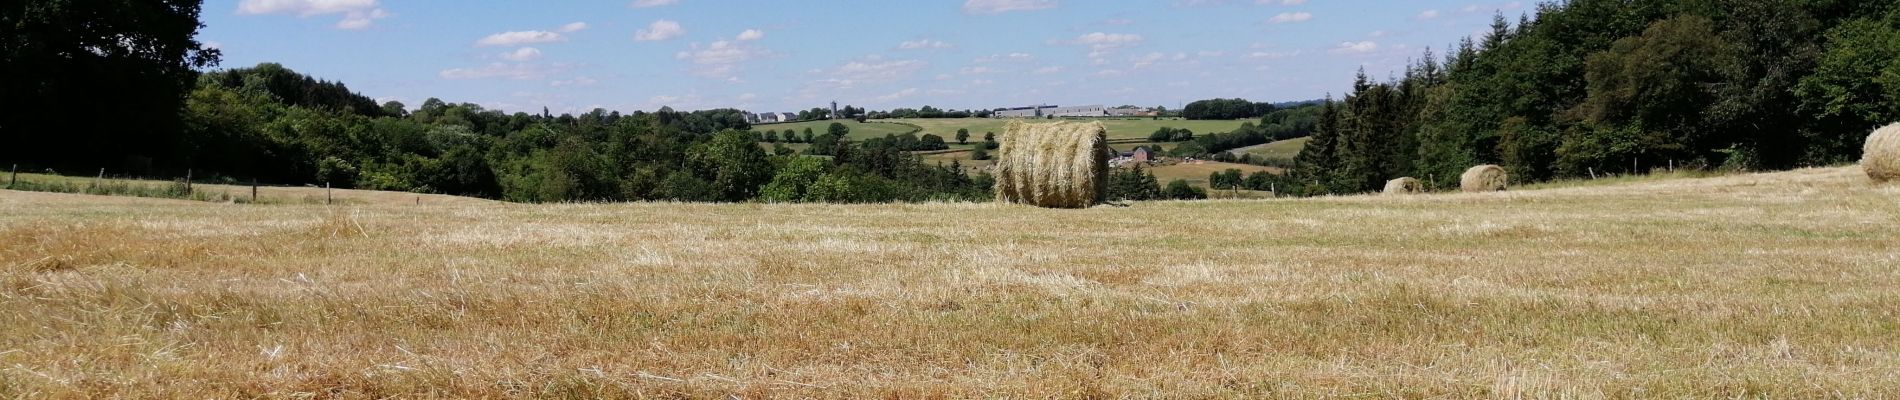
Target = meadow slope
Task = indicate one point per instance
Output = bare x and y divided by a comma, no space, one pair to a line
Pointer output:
1782,285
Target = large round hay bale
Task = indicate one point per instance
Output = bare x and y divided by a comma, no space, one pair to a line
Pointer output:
1483,178
1405,185
1058,165
1881,155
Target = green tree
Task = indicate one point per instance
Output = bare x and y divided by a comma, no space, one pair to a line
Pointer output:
793,180
1180,189
837,130
963,135
732,164
91,83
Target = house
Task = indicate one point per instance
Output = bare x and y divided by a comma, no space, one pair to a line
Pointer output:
1124,111
1141,154
787,117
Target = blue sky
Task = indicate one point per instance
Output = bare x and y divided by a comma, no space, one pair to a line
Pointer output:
572,56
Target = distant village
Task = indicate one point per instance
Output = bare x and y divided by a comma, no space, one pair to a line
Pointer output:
1035,111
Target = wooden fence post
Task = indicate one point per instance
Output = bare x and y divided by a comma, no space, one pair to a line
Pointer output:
253,190
16,177
187,180
326,193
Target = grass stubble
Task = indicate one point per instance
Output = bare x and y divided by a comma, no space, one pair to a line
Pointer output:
1772,285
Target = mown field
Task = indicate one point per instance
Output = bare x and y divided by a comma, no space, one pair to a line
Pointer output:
947,127
1780,285
1282,150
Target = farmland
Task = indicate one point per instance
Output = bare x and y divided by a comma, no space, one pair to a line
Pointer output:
1282,150
1777,285
947,127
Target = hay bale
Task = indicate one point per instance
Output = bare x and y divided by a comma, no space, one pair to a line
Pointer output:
1483,178
1880,157
1405,185
1057,165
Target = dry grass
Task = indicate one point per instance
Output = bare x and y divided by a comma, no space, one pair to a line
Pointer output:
1783,285
1880,156
1055,164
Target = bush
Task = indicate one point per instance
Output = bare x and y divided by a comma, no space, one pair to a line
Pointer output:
1180,189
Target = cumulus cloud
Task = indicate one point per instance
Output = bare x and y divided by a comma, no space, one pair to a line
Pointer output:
659,30
1355,47
573,27
357,14
1428,14
751,34
1003,6
1290,17
501,71
1005,57
652,3
922,44
577,81
522,54
720,59
519,38
1099,40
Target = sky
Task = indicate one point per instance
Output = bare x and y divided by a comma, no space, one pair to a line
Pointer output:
625,55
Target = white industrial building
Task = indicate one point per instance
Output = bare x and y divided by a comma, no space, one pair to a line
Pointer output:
1040,111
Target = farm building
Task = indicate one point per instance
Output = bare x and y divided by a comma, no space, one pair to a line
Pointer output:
1040,111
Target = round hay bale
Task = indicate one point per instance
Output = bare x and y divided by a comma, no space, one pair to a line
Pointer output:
1483,178
1056,165
1405,185
1880,157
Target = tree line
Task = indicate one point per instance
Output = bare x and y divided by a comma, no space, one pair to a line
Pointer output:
1589,87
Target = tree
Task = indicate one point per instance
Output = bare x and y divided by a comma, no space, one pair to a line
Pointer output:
1180,189
792,180
989,136
732,164
1657,86
90,83
963,135
980,154
837,130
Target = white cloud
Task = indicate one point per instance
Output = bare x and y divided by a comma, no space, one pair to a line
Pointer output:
1290,17
1376,34
522,54
652,3
1002,6
747,96
359,20
1210,53
659,30
907,92
502,71
1119,21
357,14
577,81
1048,70
1005,57
520,37
1110,72
1271,55
574,27
720,59
922,44
1355,47
751,34
1428,14
976,70
1281,2
1099,40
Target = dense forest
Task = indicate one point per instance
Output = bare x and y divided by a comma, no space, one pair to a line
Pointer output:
1589,87
116,84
